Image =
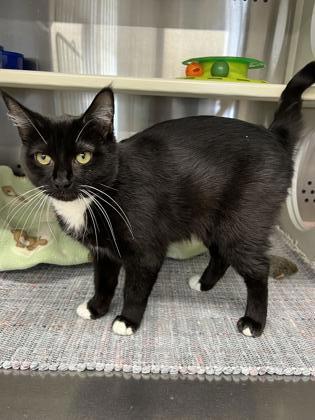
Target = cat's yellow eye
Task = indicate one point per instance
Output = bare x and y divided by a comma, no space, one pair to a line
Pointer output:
83,158
42,158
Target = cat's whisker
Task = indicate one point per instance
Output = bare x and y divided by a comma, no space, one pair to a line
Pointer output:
95,226
115,202
104,213
19,205
80,132
47,218
125,220
110,197
34,126
85,218
93,193
37,212
24,225
19,196
33,203
92,213
94,201
88,206
41,215
111,188
85,226
34,211
15,199
18,208
123,215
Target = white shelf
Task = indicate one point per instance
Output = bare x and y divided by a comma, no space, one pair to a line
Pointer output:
145,86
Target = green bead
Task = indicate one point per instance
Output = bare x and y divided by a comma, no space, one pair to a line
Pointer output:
220,69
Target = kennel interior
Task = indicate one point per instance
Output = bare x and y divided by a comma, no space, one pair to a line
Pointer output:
142,45
137,47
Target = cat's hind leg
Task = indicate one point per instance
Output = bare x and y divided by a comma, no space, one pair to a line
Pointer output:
254,268
213,273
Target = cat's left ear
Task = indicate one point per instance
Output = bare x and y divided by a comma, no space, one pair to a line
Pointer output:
101,110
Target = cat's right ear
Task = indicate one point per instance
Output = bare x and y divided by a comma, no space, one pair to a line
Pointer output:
26,121
101,110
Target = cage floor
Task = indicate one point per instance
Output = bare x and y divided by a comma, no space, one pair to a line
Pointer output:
183,331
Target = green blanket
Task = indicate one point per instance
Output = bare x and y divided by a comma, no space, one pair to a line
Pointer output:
30,233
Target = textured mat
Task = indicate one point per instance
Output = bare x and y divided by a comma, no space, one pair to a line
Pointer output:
183,331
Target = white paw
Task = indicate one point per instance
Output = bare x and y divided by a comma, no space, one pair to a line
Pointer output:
120,328
83,312
246,331
194,283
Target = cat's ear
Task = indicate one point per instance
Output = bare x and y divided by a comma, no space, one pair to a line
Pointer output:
27,122
101,110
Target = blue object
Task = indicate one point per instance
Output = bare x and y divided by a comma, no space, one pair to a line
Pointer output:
11,60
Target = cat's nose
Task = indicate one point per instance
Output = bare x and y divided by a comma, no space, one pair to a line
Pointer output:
63,183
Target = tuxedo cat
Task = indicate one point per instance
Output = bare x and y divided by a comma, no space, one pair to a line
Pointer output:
219,179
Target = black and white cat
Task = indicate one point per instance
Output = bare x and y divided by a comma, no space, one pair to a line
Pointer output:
220,179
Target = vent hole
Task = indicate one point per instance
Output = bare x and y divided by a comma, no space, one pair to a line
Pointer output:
303,191
306,200
309,182
312,191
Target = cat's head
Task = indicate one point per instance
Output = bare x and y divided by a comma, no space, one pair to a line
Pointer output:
64,154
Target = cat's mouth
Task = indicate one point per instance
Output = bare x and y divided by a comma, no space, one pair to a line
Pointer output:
63,195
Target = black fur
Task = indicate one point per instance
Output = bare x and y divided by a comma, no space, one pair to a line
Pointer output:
220,179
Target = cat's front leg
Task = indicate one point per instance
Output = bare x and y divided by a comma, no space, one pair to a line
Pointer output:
138,285
106,273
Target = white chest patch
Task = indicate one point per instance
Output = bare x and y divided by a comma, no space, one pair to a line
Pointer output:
72,212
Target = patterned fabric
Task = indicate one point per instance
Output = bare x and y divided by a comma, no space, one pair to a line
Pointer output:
183,331
29,231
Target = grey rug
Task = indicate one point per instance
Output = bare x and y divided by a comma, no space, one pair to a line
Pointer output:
183,331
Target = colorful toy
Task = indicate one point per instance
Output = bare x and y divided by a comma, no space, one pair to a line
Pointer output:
229,69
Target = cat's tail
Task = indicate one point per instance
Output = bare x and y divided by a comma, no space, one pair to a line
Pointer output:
287,123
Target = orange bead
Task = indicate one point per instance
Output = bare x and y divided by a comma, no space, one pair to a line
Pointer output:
194,69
